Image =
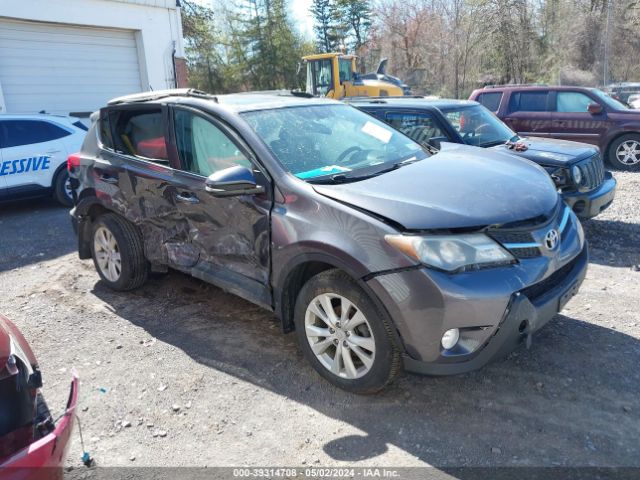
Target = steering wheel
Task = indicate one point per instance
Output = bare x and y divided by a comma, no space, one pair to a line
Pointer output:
348,151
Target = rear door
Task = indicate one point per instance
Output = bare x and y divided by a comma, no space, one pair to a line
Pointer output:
31,152
230,234
132,175
571,120
528,113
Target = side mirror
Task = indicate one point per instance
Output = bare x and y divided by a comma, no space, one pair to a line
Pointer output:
594,108
232,181
436,142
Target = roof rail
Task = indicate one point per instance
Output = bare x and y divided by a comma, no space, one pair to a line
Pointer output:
158,94
380,99
517,85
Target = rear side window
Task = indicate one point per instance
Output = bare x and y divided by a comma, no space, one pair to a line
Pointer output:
80,125
15,133
139,133
528,102
490,100
574,102
420,127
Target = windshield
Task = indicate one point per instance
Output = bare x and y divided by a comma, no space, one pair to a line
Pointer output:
478,126
327,140
608,100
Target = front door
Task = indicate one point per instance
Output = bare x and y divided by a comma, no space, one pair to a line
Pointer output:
231,234
571,120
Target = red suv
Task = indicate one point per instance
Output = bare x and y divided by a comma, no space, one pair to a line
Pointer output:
570,113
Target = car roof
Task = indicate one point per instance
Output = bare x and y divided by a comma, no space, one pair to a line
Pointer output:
37,116
238,102
411,102
499,88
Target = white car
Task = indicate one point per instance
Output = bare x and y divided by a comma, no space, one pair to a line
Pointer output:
33,155
634,101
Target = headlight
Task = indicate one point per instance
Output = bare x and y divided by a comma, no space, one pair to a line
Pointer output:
452,252
576,173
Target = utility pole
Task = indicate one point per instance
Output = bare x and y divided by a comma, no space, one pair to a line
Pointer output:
607,33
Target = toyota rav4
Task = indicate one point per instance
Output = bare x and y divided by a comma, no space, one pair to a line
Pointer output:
377,251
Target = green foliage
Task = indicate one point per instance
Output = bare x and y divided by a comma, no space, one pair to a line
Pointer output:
254,47
341,23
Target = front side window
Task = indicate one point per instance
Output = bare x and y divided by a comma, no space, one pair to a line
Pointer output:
203,147
478,126
528,102
15,133
325,140
345,70
421,127
574,102
321,76
490,100
139,133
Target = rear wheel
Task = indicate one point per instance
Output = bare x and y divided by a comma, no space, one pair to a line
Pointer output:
62,189
118,253
345,337
624,152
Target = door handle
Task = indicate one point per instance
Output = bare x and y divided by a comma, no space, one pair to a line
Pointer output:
186,198
108,179
51,152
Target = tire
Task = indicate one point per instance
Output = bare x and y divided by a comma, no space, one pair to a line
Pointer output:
60,192
625,160
133,266
382,355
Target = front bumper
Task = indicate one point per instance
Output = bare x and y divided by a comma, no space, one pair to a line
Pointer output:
498,318
589,204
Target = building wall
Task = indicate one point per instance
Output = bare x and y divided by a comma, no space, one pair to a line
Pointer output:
156,23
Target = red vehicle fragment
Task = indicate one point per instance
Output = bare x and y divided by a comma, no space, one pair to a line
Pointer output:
32,445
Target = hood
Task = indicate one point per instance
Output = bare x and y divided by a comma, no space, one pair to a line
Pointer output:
460,187
552,152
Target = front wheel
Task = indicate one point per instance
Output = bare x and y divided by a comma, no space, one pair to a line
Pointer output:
345,337
624,152
118,253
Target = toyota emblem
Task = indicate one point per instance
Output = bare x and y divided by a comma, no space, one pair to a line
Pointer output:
551,239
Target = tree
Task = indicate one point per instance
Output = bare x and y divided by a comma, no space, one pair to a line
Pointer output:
201,41
325,27
355,15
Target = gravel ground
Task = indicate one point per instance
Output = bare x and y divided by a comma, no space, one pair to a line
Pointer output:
180,373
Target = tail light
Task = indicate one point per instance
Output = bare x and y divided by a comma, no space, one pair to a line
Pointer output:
73,161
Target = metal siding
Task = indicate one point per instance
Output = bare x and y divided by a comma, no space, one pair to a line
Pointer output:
65,68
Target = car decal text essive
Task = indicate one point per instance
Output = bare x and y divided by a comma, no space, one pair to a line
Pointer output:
24,165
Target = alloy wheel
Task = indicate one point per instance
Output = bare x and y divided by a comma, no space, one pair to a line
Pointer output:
340,336
628,153
107,254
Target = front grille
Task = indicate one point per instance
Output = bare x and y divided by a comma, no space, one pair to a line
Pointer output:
536,290
593,172
510,239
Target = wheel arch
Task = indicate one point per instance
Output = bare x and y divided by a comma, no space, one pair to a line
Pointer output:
88,208
300,269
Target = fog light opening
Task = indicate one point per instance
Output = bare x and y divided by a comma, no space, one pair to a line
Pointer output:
450,338
523,326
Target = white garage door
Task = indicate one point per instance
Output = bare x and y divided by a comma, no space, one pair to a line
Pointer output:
65,68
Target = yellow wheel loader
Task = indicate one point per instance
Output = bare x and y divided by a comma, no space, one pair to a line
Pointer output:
335,75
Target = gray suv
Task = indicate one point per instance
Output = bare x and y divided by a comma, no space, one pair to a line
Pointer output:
378,252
